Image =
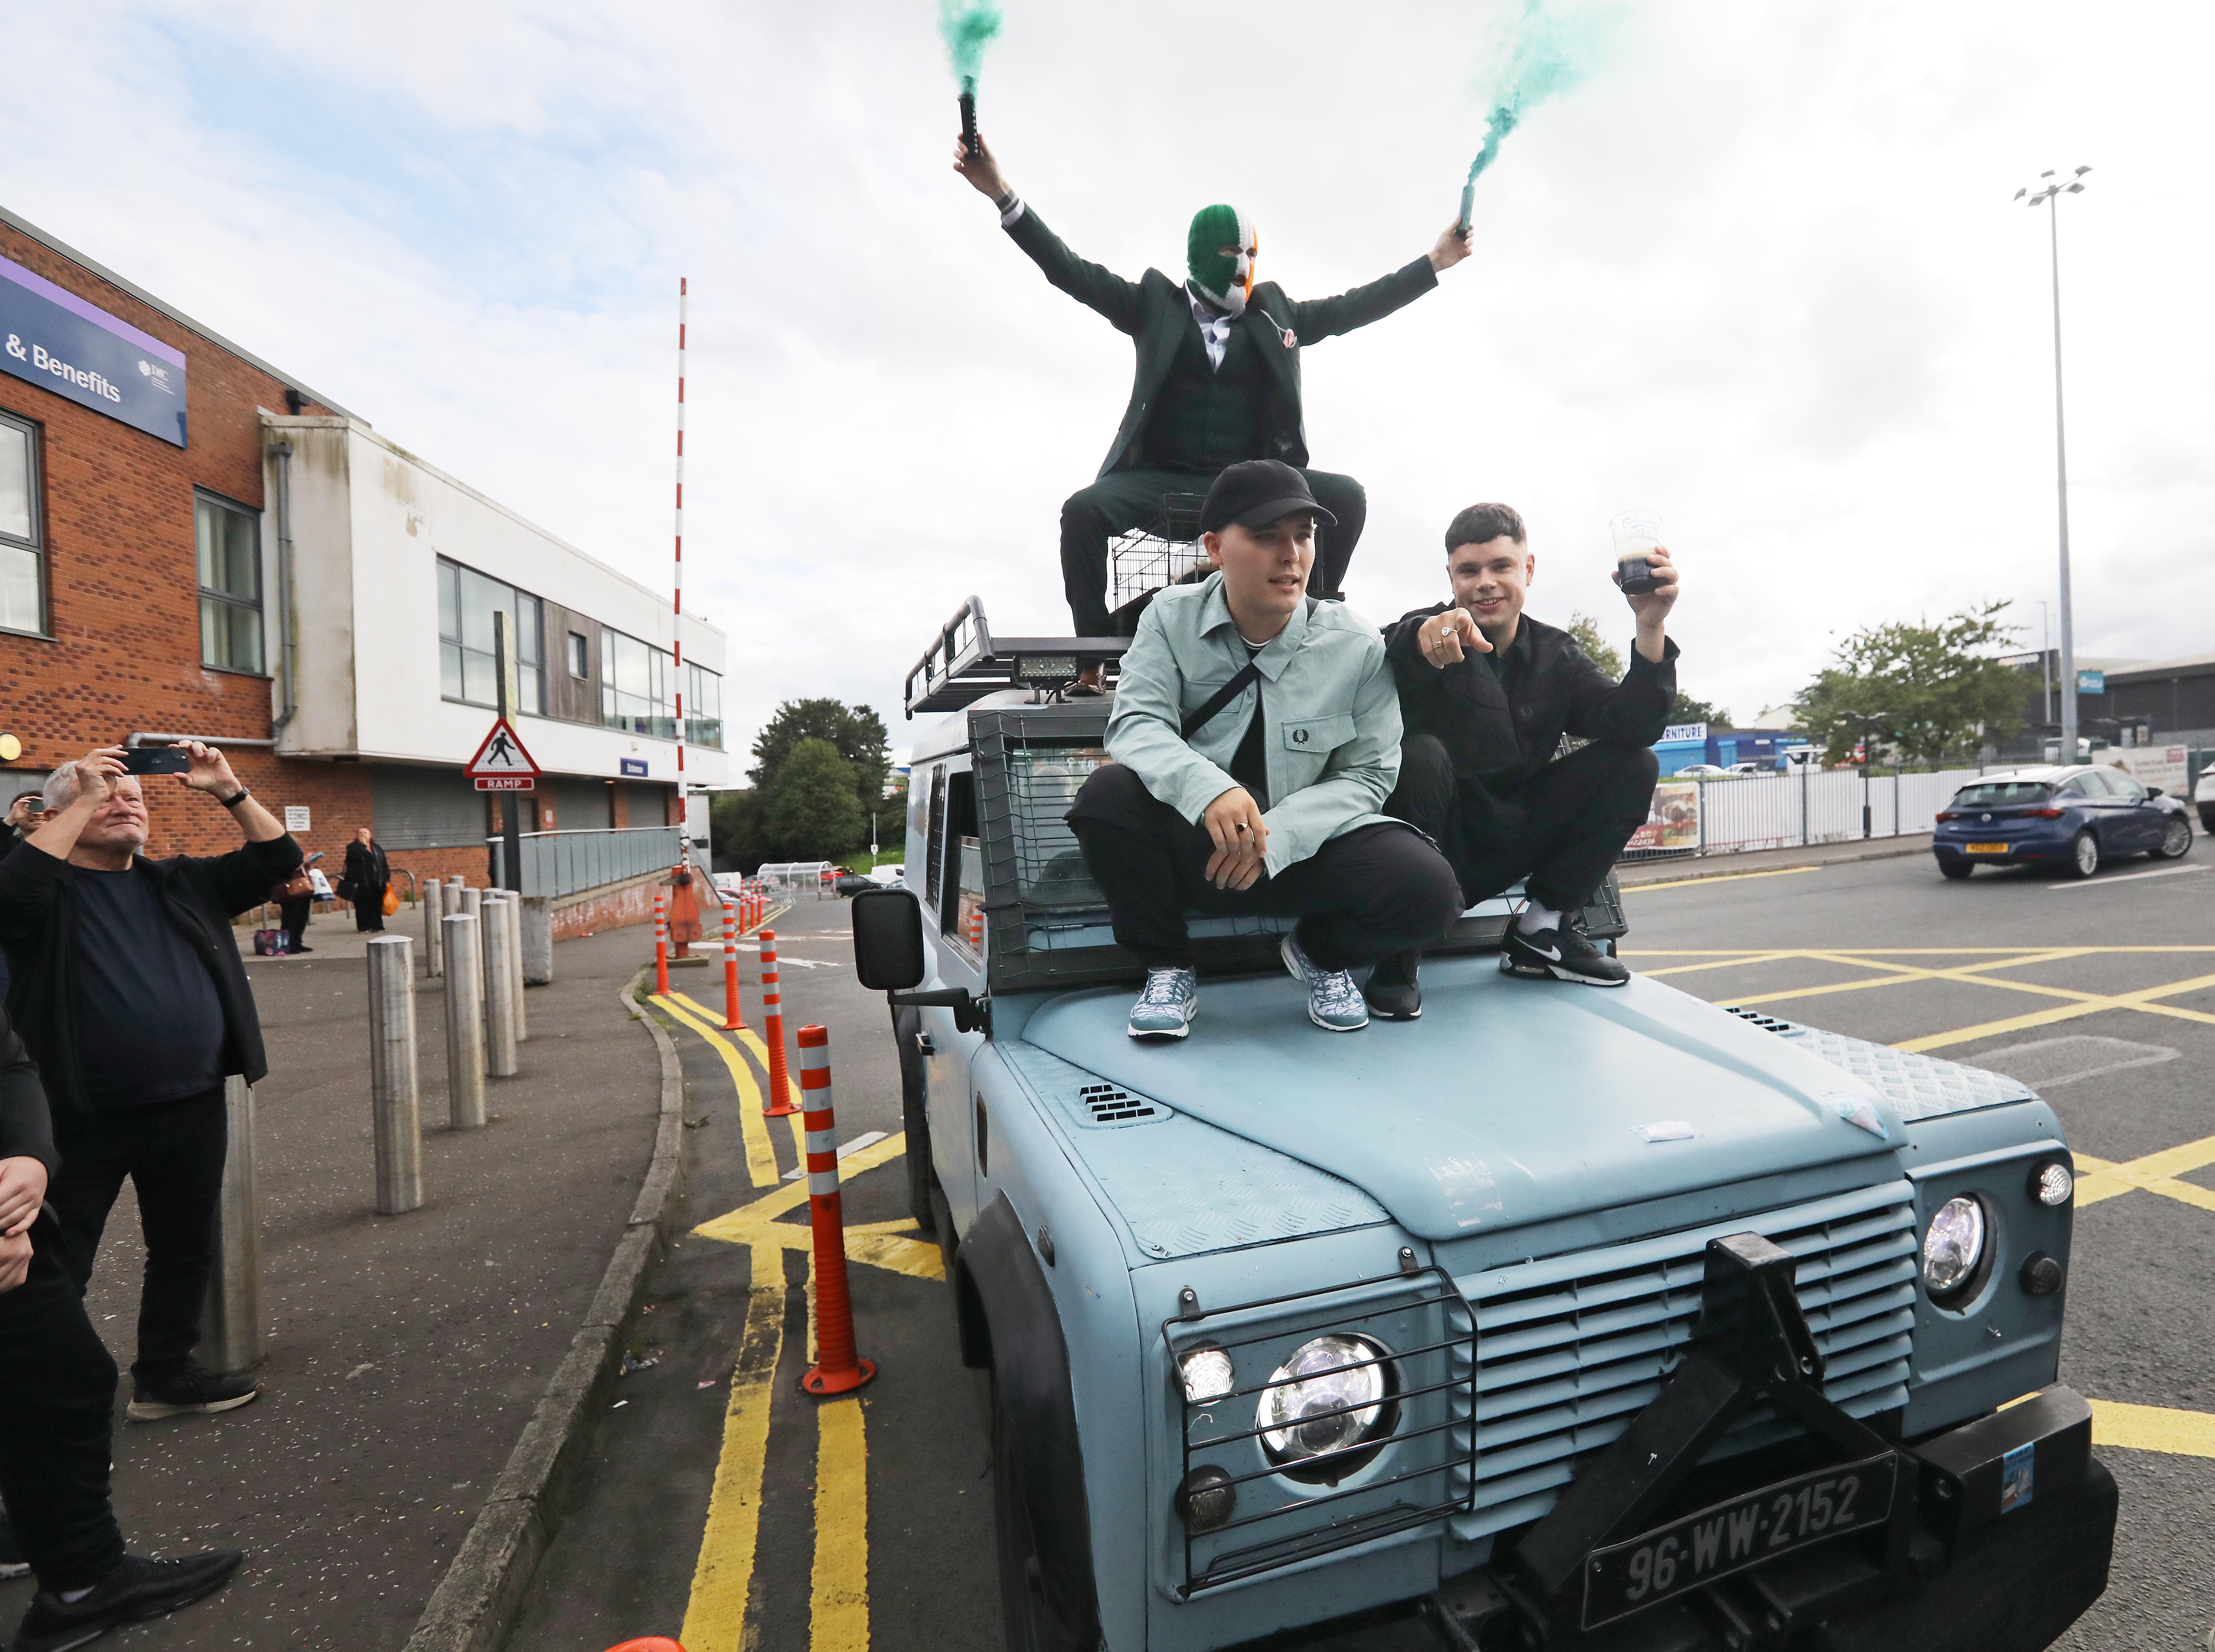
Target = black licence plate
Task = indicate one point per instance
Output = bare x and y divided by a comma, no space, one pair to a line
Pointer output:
1729,1537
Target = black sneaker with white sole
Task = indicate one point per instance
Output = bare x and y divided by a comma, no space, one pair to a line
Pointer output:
136,1588
1564,954
195,1391
1394,988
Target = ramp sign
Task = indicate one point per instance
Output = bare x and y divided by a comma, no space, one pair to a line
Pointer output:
501,763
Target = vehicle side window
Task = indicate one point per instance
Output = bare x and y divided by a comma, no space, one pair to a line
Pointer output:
2125,786
2078,790
934,852
961,825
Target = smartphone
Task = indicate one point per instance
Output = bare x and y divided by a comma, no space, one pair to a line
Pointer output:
156,759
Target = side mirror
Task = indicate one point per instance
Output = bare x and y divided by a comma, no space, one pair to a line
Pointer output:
888,940
2155,791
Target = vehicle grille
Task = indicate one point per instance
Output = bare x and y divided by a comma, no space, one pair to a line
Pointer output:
1569,1348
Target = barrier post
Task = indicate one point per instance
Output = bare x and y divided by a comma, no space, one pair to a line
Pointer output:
395,1120
660,945
780,1087
434,912
232,1325
733,1021
465,1045
838,1368
501,987
513,902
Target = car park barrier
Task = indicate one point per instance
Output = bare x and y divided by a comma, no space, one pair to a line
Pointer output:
838,1368
465,1040
733,1021
660,946
396,1118
780,1087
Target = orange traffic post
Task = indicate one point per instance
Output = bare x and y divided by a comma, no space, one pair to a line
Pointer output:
780,1087
733,1021
649,1643
660,946
839,1369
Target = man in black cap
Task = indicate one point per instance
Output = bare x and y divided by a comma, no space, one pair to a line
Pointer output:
1255,737
1217,380
1487,692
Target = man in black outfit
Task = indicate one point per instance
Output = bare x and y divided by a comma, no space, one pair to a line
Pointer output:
1486,692
129,990
1218,381
57,1395
366,878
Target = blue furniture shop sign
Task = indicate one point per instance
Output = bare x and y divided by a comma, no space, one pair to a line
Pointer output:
61,343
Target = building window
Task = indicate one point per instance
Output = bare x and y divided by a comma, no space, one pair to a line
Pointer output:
580,658
467,602
22,582
635,687
704,707
228,538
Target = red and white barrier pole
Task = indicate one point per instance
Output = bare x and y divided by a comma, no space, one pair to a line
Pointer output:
660,945
839,1369
733,1021
780,1087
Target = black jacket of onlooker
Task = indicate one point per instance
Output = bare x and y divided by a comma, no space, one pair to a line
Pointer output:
1500,738
367,872
25,1131
38,927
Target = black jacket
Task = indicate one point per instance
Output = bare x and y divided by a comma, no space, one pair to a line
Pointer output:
38,927
1153,309
25,1132
1501,744
365,869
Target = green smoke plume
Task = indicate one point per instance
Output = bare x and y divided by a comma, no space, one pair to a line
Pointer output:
966,26
1539,52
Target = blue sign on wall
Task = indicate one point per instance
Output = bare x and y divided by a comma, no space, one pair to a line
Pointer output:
634,767
59,342
2092,682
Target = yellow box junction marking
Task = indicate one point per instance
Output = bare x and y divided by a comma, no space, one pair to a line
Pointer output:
2097,1179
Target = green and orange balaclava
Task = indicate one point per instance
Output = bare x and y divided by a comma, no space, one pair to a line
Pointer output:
1227,281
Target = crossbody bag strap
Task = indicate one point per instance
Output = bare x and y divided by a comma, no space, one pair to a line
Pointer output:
1229,691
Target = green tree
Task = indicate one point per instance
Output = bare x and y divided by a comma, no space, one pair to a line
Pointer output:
1689,710
1930,692
1586,630
814,813
855,731
738,829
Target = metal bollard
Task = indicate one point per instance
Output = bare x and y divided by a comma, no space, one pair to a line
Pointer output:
839,1369
513,902
231,1324
660,947
500,988
780,1087
733,1021
395,1114
465,1039
434,913
538,940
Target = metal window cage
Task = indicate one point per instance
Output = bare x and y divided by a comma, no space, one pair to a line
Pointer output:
1162,550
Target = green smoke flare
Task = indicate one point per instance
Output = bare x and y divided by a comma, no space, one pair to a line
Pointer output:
1539,53
966,26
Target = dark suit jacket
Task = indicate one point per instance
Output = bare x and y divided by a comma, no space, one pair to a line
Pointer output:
1152,309
1501,744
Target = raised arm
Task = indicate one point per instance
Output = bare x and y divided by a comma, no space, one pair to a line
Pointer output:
1322,318
1091,284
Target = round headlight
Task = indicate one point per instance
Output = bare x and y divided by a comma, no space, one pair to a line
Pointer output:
1953,1246
2052,1183
1331,1395
1207,1373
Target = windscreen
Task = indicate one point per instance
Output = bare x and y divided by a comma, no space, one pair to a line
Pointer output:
1993,794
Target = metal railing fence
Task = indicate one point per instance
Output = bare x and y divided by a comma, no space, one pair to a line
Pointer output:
569,863
1728,815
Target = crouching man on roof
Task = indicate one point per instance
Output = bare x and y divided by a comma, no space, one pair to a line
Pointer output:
1256,735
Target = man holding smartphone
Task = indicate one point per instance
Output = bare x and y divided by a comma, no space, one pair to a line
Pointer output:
129,990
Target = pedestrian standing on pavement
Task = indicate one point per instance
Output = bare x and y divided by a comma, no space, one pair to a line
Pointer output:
366,879
299,894
57,1396
129,992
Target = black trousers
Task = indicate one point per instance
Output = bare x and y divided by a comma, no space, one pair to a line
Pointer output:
173,1151
1559,831
1372,893
294,914
56,1400
1123,500
369,910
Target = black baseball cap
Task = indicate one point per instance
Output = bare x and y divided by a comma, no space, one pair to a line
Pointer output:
1256,493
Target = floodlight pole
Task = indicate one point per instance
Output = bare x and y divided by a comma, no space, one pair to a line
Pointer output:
2049,194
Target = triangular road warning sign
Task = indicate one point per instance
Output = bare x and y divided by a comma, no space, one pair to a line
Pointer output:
501,756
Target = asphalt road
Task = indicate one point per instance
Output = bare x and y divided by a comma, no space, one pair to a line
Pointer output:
727,1507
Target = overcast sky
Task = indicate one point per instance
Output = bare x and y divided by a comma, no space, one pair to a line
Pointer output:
1762,273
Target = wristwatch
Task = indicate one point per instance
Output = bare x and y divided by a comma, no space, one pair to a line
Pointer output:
236,797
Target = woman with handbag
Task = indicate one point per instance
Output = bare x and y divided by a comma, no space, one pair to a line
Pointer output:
366,879
296,898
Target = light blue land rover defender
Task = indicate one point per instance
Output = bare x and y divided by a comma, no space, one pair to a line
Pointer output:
1557,1318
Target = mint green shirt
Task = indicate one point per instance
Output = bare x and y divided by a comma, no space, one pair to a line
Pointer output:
1330,715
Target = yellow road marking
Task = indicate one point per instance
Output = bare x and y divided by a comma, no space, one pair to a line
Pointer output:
1722,877
757,1221
1906,975
838,1592
715,1616
2144,1000
2153,1429
747,1036
1717,963
761,1157
2156,1173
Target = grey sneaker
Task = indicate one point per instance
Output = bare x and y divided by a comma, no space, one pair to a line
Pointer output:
1334,1003
1166,1008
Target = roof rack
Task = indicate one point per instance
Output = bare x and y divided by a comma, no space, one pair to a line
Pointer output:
967,662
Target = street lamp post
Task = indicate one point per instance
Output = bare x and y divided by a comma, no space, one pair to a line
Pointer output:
2047,192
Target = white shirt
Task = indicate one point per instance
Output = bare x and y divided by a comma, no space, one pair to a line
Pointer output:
1214,326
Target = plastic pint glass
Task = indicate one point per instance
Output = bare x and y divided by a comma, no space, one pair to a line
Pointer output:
1636,535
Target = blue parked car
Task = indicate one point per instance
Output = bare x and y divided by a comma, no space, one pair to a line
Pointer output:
2076,815
1557,1318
